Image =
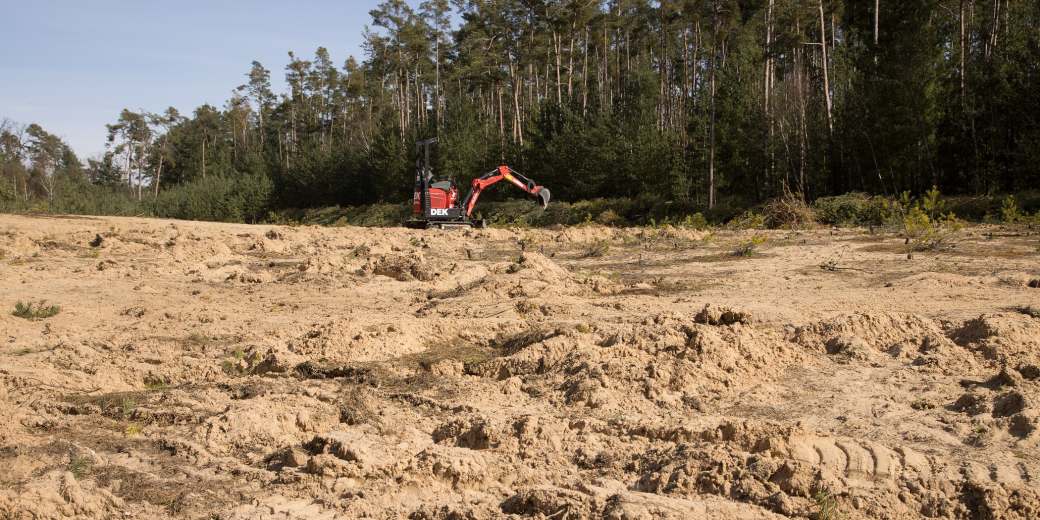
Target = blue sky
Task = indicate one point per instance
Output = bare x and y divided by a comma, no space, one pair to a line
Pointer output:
72,65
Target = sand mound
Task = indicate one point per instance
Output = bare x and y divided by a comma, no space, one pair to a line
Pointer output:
193,248
669,362
585,234
535,275
350,341
254,426
610,500
59,494
785,470
942,280
909,337
1011,338
401,267
229,268
14,246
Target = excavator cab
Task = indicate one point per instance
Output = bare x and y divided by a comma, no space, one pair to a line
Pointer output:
437,204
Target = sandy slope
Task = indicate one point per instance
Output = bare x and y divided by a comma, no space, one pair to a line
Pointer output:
203,370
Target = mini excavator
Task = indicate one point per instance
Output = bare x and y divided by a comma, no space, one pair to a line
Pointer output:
437,204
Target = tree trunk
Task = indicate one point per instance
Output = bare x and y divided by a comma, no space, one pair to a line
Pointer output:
826,73
140,172
585,75
501,122
963,54
711,124
570,67
437,83
877,20
129,167
767,90
158,171
559,85
803,132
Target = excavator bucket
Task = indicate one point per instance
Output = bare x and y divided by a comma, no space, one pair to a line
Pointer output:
543,197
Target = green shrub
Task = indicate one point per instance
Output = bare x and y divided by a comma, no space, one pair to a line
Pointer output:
748,220
695,221
852,209
372,215
980,208
1009,212
35,311
749,247
377,215
243,198
79,465
7,194
923,224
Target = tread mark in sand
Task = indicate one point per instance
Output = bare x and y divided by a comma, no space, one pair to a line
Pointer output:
866,462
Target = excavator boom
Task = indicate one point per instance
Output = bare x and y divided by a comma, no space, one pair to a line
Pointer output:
503,172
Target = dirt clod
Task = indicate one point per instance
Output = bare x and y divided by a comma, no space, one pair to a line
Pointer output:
712,315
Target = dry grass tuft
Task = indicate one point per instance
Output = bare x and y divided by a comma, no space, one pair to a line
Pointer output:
789,211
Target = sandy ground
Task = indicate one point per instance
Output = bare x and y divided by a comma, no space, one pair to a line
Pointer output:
200,370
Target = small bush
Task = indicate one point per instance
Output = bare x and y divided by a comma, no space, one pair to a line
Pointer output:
240,363
748,220
7,194
597,249
153,382
1009,211
695,221
524,307
852,209
923,224
789,211
79,466
34,311
127,407
981,208
749,247
609,218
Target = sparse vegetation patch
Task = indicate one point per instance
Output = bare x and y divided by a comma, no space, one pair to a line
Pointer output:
35,310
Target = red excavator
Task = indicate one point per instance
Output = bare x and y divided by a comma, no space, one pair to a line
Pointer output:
437,204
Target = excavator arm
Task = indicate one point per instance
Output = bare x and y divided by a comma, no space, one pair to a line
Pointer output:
503,173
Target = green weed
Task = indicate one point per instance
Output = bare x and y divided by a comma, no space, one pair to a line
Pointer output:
79,466
34,311
749,247
1009,211
127,407
925,226
827,507
154,383
748,220
240,363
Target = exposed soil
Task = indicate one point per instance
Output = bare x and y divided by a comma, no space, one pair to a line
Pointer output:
200,370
